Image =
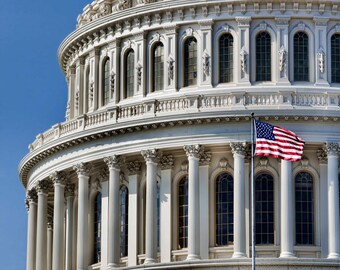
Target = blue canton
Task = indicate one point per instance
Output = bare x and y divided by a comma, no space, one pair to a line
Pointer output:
264,131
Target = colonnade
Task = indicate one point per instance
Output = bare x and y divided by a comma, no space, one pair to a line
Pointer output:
63,247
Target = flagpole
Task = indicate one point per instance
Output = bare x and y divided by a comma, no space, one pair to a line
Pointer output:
253,251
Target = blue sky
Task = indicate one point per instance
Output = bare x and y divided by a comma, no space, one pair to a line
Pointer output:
33,98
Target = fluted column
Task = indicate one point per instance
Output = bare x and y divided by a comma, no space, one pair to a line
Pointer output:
194,153
287,213
151,158
31,203
333,200
167,165
239,149
69,194
113,245
58,179
49,242
134,169
83,172
41,251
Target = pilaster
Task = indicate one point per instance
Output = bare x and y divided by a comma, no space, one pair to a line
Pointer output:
243,50
282,26
170,57
320,50
140,65
206,27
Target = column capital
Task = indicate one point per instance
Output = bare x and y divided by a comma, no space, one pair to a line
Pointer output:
282,21
69,190
238,148
104,174
243,21
332,148
167,162
95,185
58,178
50,222
152,155
205,158
83,168
194,150
134,167
322,156
31,197
113,162
44,186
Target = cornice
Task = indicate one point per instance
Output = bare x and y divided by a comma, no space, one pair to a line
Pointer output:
104,24
108,130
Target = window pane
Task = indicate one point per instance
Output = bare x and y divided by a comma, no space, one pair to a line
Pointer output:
158,67
183,213
301,58
263,57
97,227
124,205
335,59
226,58
264,208
304,209
224,209
190,62
130,74
106,81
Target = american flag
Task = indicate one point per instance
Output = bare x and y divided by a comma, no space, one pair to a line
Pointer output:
277,142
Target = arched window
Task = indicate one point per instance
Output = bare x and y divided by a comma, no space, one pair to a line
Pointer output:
304,209
97,227
124,205
158,67
226,45
129,73
106,81
183,213
335,59
190,62
264,208
301,57
224,209
263,57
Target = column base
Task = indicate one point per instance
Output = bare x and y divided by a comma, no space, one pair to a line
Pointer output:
287,255
239,255
111,266
333,256
150,261
193,257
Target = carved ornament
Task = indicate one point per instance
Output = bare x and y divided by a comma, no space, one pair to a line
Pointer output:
114,161
167,162
152,155
238,148
69,190
44,186
205,158
332,148
58,177
134,167
194,150
82,168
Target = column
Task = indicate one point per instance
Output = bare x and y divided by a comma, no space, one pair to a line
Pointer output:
204,203
31,203
282,47
49,242
166,164
320,51
41,251
287,213
83,172
69,194
194,153
58,179
238,149
243,51
134,169
333,200
151,158
113,245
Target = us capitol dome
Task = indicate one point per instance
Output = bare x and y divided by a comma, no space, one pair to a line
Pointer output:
151,168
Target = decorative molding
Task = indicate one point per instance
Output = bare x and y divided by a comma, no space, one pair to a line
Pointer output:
58,178
223,163
189,32
134,167
206,63
82,168
263,162
321,59
104,174
194,150
322,156
185,166
171,67
166,162
139,73
95,185
243,60
304,162
114,161
243,21
238,148
121,5
282,59
152,155
282,21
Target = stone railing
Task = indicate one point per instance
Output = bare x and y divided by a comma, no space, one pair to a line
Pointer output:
188,104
